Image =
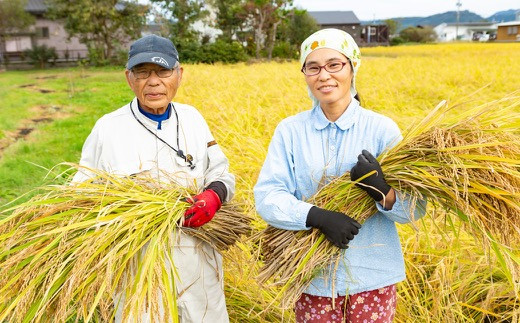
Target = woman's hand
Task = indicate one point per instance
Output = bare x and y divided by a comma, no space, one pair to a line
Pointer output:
337,227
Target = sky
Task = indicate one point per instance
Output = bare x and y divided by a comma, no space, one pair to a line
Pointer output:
382,9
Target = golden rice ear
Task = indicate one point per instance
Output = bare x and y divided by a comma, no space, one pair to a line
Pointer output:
466,165
72,248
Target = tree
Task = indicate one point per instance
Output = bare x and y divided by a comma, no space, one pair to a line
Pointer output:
180,15
418,34
100,24
230,17
13,17
298,27
265,17
393,26
40,55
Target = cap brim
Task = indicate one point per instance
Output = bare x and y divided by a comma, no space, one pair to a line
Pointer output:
154,58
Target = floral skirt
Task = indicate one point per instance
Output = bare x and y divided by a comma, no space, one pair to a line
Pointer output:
367,307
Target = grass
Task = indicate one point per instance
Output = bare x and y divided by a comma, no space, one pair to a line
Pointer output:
244,103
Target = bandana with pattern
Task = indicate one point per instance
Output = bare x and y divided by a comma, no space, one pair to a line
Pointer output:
334,39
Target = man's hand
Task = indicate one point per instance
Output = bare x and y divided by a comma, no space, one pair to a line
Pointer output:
337,227
375,184
204,206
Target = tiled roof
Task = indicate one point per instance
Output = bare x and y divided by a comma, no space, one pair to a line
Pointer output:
36,6
334,17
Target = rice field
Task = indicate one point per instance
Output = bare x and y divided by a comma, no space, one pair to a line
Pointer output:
451,278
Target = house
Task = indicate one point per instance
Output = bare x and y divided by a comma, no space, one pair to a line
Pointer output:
509,31
364,35
43,32
374,35
344,20
464,30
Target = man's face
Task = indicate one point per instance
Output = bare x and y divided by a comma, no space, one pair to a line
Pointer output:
154,92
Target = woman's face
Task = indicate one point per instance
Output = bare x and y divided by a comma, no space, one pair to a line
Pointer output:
329,88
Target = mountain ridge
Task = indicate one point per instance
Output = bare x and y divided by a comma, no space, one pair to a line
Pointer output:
449,17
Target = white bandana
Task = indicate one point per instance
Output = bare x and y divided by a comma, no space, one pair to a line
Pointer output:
334,39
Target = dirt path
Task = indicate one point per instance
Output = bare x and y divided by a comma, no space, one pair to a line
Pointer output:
40,114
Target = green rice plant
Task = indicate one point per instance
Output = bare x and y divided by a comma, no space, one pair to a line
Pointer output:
468,166
67,252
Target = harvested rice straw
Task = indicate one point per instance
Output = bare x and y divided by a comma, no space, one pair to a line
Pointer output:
67,252
469,166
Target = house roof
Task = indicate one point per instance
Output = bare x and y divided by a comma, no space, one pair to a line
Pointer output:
36,6
509,23
39,6
472,24
334,17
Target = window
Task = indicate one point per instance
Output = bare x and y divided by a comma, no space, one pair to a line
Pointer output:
373,31
512,30
18,44
42,32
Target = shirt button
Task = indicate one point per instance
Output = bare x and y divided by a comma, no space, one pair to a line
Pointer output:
332,147
333,125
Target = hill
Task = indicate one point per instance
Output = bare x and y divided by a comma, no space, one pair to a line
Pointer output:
449,17
503,16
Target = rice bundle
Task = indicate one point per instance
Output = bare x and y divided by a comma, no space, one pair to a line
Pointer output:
68,251
469,167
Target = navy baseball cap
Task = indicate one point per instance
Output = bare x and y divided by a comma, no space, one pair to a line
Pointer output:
153,49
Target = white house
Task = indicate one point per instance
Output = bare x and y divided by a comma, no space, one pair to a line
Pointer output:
44,32
463,31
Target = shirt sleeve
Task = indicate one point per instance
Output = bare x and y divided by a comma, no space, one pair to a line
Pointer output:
218,166
404,209
275,189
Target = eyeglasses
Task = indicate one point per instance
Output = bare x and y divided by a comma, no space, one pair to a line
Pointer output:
331,67
144,74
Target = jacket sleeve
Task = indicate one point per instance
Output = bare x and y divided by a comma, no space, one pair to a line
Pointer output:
90,155
276,186
217,166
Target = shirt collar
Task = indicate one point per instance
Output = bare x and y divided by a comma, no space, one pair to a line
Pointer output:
345,121
156,117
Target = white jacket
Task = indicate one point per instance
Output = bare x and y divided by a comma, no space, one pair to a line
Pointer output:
120,145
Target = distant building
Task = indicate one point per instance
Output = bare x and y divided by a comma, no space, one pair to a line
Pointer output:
464,30
374,35
364,35
509,31
43,32
344,20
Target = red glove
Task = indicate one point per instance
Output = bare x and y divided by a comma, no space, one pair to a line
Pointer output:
204,207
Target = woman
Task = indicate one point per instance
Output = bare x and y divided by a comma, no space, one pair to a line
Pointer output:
309,149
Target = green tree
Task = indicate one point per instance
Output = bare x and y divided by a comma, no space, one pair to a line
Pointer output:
180,16
13,18
265,17
418,34
40,55
393,26
100,24
298,27
231,18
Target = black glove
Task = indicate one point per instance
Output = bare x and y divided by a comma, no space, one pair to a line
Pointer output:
337,227
376,187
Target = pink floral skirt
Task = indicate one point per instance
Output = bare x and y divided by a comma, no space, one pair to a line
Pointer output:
367,307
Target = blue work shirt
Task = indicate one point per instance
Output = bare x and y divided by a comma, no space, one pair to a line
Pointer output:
305,148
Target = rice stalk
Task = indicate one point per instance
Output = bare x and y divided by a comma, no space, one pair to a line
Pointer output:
69,251
468,166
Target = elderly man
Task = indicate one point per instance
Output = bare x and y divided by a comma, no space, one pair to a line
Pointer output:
161,137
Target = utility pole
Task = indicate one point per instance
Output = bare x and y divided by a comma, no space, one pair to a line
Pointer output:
458,19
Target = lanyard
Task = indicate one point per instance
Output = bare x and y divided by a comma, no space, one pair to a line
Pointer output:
187,158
